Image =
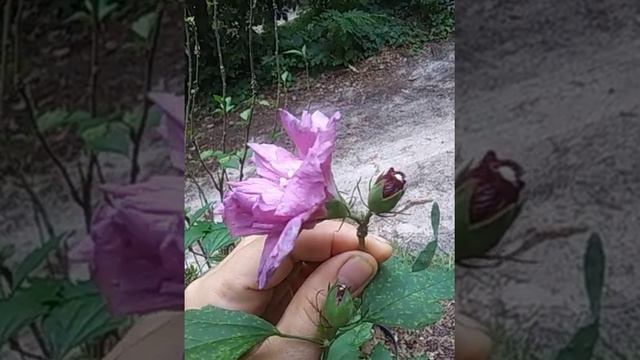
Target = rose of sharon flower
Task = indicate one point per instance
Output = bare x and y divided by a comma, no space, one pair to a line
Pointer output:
136,238
291,191
138,247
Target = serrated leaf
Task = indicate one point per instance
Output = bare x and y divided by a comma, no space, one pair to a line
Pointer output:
380,353
80,319
401,298
108,137
25,306
594,265
347,345
33,261
215,333
144,25
424,258
582,344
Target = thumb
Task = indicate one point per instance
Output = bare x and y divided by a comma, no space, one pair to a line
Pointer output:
353,269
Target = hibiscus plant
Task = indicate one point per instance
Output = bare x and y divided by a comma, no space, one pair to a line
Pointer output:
293,191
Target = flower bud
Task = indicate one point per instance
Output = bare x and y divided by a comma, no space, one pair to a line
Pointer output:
338,307
487,203
386,191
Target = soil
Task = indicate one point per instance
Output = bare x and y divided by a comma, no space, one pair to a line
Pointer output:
397,110
554,86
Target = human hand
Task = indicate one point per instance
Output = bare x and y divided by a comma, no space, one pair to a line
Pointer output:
472,341
292,297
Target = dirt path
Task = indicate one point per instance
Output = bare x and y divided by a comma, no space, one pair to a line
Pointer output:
563,105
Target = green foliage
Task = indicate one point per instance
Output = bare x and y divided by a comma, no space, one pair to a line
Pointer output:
81,317
144,25
211,235
112,135
347,345
336,33
401,298
380,353
583,342
337,38
215,333
33,261
424,258
24,306
190,274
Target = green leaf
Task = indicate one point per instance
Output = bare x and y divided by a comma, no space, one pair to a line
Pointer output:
104,9
33,261
594,264
264,102
435,219
198,214
144,25
215,333
25,306
108,137
216,238
399,298
246,115
79,16
294,52
207,154
582,344
83,317
230,162
347,345
194,233
52,119
380,353
424,258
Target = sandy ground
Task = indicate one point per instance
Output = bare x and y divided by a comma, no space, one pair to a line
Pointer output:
554,87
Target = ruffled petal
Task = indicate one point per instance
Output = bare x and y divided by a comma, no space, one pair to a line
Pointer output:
277,246
273,162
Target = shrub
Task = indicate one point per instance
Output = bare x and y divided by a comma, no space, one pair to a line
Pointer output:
337,38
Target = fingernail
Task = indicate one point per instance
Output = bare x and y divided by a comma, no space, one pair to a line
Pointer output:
355,273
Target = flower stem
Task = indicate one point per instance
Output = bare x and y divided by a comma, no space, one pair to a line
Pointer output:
311,340
363,230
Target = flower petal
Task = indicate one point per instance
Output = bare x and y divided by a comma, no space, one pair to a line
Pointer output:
277,246
311,184
273,162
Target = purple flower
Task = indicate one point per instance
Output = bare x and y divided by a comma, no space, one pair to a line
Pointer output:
172,125
138,248
291,191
